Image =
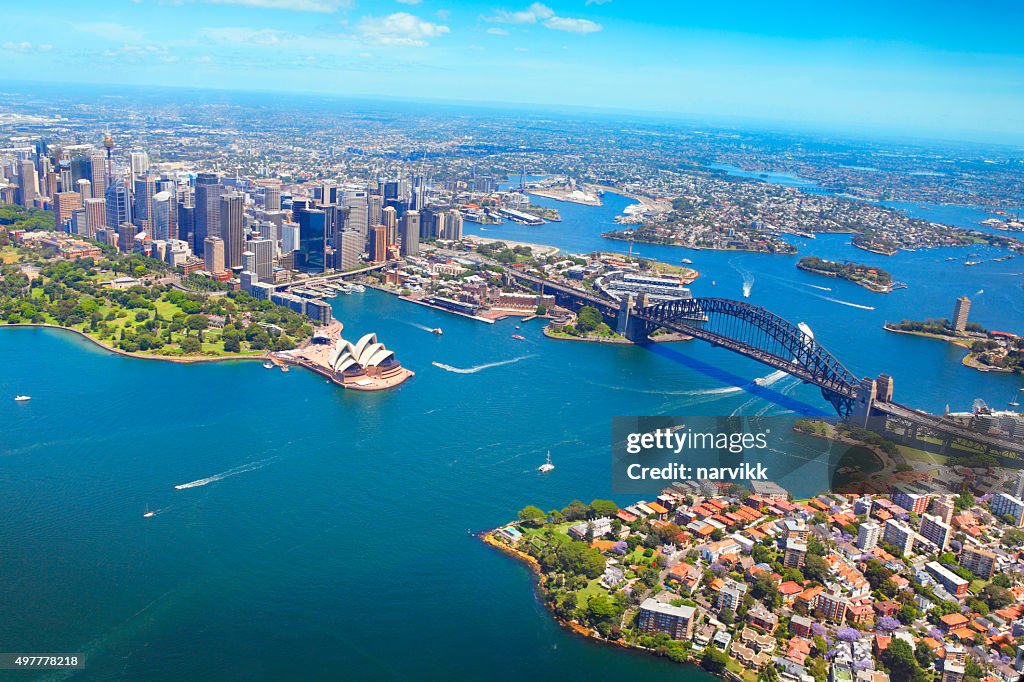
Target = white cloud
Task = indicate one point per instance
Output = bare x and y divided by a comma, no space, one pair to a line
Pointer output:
46,47
531,15
573,25
400,29
597,2
263,37
325,6
539,13
495,31
409,2
112,31
23,46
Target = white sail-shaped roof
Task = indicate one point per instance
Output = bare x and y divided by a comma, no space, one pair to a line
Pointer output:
378,356
361,345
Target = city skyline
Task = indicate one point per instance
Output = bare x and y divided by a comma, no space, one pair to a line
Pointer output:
919,69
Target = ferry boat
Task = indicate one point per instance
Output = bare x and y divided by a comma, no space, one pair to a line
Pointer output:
546,466
22,398
517,337
972,262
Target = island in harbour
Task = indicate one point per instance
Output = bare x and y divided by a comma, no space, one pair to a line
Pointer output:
871,278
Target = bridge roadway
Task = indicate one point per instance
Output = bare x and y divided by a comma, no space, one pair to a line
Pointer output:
994,444
606,306
313,281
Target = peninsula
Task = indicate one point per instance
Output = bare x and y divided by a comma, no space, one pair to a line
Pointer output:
871,278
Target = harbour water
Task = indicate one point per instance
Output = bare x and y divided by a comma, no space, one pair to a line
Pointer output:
305,532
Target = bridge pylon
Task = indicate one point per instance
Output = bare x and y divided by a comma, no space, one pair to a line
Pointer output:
634,328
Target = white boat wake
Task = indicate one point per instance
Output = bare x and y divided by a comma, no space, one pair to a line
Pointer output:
748,279
245,468
979,292
478,368
815,286
420,326
841,302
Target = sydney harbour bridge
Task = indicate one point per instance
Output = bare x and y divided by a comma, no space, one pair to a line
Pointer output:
761,335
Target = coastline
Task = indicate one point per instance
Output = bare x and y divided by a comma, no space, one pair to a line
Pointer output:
185,360
613,236
967,360
581,630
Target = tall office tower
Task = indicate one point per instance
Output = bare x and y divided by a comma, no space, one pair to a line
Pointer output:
213,255
119,206
186,222
289,237
426,223
139,162
453,226
326,192
299,204
66,182
207,214
49,183
263,257
145,188
63,204
272,198
28,182
374,209
249,263
168,185
97,173
231,229
960,312
78,222
95,216
391,191
84,187
356,200
125,235
267,229
349,249
390,222
379,244
411,233
312,240
439,229
160,216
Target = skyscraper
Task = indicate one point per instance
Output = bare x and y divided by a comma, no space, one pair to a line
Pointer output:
231,229
28,182
63,205
139,162
145,188
207,208
97,173
379,244
95,216
84,187
119,208
312,240
213,255
348,250
390,222
960,312
272,198
411,233
160,220
263,256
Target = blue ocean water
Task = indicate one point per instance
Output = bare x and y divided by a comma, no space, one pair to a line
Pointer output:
326,534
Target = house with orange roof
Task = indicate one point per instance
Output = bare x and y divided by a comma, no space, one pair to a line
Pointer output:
659,511
952,621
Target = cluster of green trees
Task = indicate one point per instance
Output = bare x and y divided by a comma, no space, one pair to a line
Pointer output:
935,325
589,322
502,253
70,294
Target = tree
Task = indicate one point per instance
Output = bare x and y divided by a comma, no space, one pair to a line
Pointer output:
902,662
768,673
588,319
531,517
191,345
714,660
604,507
196,322
576,511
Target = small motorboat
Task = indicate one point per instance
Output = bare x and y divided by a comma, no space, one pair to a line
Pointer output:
284,368
437,331
686,261
267,364
517,337
148,513
22,398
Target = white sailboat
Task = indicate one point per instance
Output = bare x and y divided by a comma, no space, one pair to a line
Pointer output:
546,466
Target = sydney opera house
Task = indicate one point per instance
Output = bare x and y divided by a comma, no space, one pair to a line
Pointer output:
365,365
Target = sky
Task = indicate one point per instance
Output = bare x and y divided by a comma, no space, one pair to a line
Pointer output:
939,69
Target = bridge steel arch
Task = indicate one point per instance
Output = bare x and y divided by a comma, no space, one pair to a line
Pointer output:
759,334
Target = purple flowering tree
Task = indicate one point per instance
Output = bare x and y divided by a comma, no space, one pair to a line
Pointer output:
848,634
888,624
